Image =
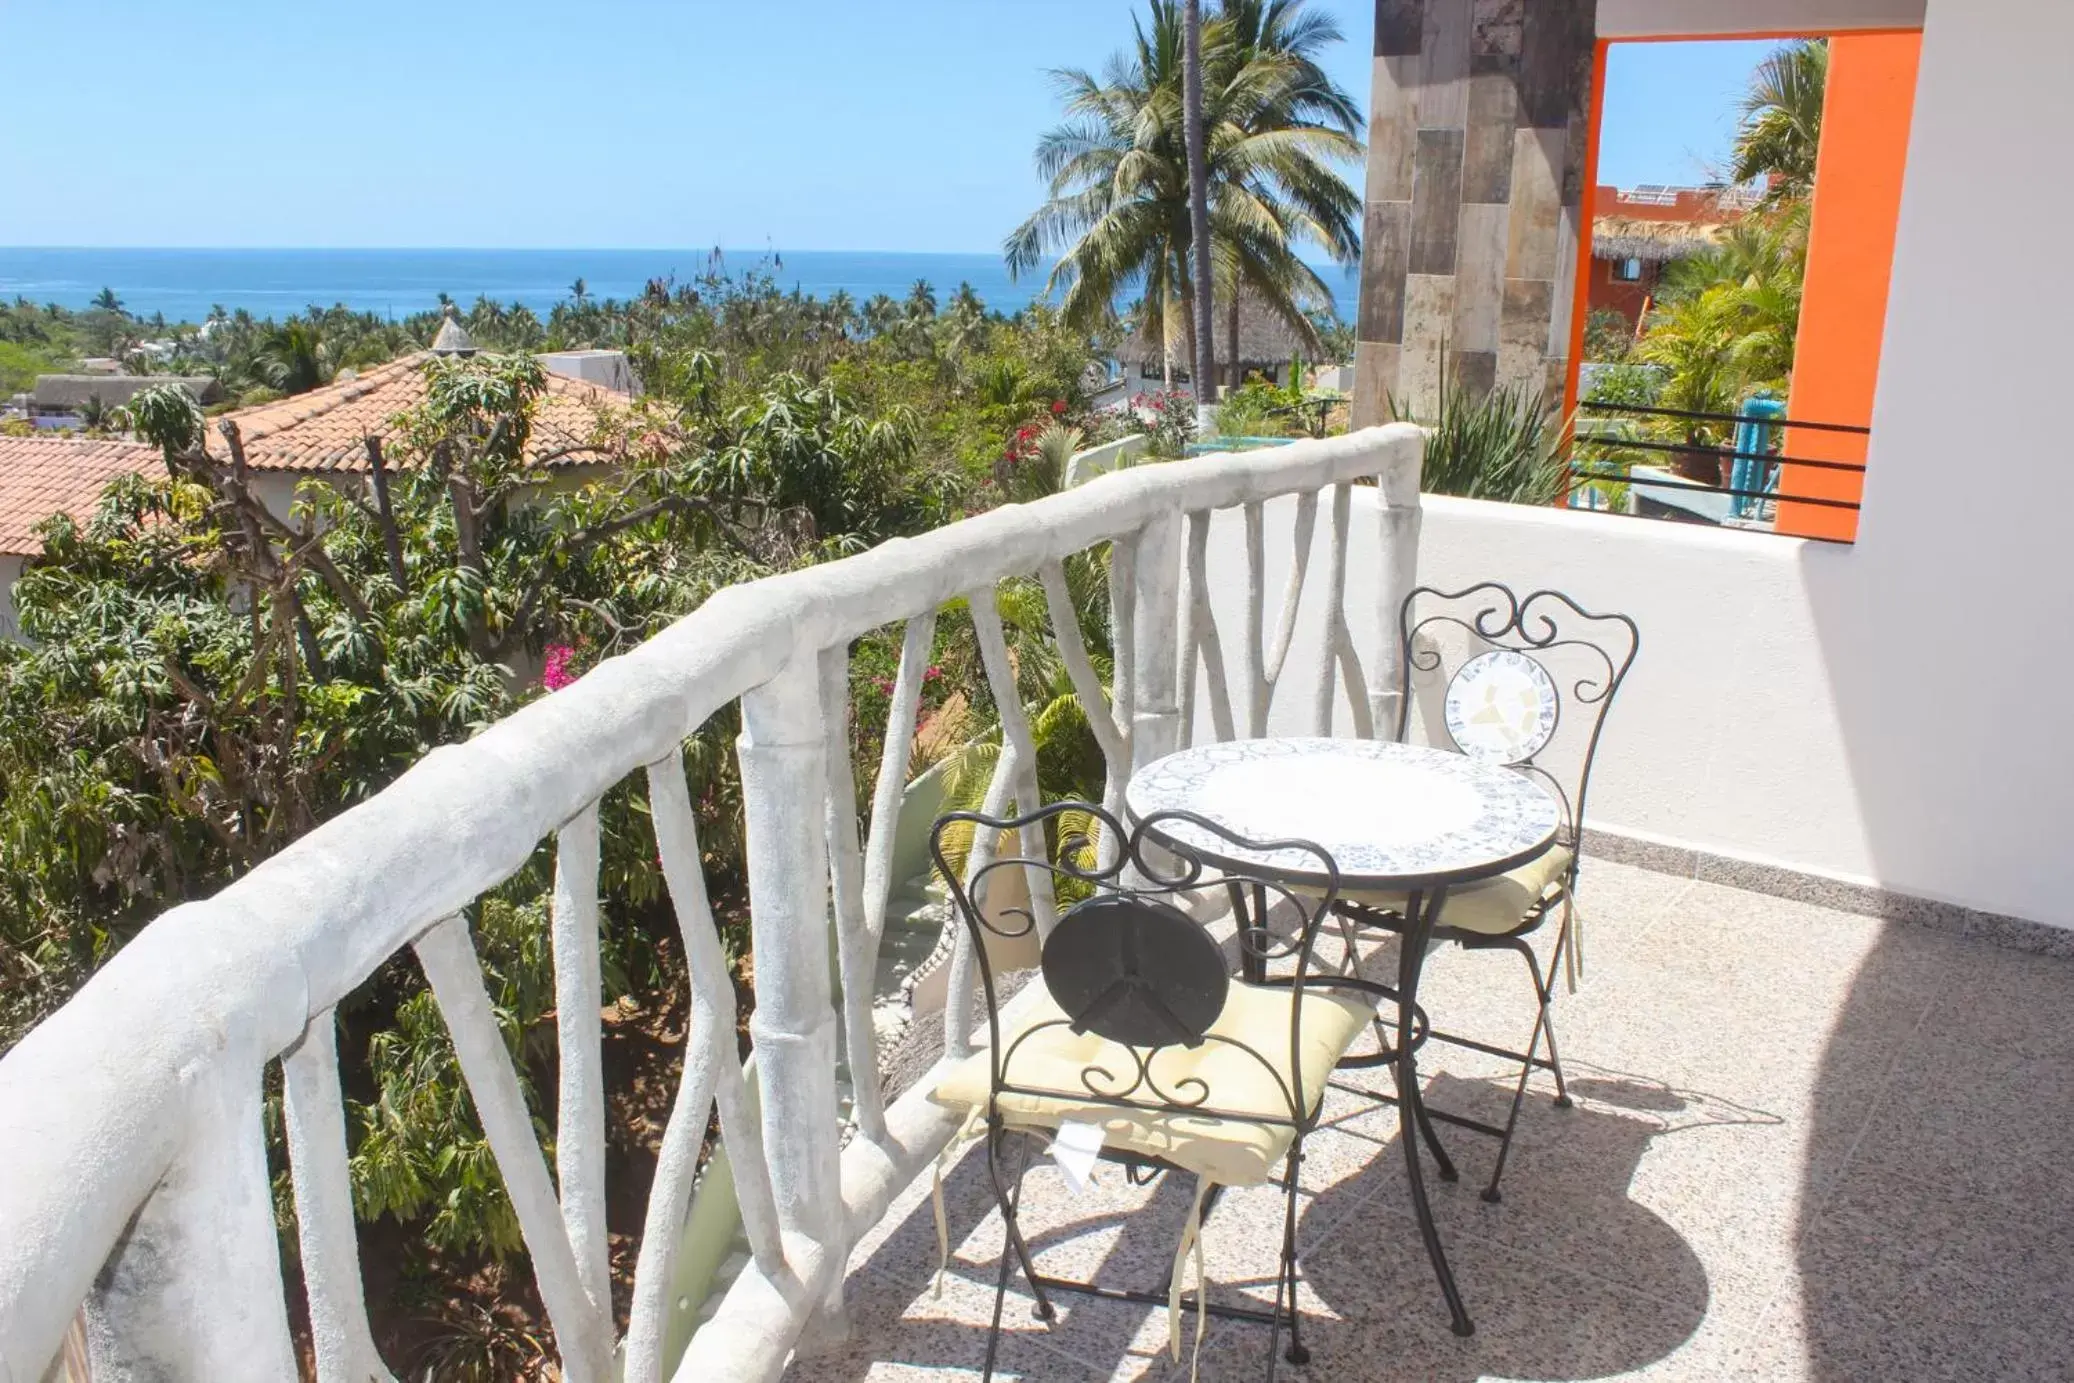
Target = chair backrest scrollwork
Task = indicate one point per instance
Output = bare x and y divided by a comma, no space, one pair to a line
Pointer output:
1521,681
1134,961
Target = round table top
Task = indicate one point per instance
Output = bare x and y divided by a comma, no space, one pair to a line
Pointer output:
1392,816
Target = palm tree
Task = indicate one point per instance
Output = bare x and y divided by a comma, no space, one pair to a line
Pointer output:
106,301
921,300
1204,368
579,290
879,315
1782,120
294,358
1276,133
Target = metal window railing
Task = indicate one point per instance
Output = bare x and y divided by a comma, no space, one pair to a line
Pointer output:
1754,492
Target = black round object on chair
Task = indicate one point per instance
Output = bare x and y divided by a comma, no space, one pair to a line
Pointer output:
1136,971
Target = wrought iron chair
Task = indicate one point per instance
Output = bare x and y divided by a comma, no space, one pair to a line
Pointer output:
1525,683
1138,1028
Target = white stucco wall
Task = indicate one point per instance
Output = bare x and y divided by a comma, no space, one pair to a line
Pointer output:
1946,632
1890,712
1728,18
1726,735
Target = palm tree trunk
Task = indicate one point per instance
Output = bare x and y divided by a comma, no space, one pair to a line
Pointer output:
1205,332
1231,311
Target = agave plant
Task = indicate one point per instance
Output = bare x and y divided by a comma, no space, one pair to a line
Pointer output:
1498,445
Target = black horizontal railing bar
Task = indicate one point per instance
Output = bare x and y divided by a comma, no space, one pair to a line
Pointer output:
1595,406
1729,452
1764,532
1650,482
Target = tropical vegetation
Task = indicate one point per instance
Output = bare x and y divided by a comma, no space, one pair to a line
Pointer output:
205,680
1278,133
1724,325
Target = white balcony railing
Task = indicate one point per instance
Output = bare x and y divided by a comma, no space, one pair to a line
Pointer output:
133,1173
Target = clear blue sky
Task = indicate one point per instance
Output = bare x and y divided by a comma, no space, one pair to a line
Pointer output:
808,124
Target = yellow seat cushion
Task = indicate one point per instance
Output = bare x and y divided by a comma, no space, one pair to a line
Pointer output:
1234,1151
1492,907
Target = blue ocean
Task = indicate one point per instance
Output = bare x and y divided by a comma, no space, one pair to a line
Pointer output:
185,284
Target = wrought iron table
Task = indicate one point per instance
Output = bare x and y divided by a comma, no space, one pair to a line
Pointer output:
1396,818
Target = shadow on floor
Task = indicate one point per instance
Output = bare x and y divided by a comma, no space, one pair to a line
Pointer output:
1372,1308
1532,1320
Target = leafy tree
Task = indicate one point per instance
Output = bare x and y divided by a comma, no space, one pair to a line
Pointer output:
106,301
1276,134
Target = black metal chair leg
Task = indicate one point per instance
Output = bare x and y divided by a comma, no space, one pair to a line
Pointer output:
1526,1073
1010,1201
1297,1354
1546,993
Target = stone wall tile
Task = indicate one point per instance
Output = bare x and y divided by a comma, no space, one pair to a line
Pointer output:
1475,372
1393,128
1495,28
1536,203
1444,66
1568,233
1557,38
1480,276
1523,333
1488,143
1386,259
1436,201
1375,381
1398,26
1429,309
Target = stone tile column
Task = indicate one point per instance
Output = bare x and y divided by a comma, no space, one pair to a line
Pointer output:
1478,128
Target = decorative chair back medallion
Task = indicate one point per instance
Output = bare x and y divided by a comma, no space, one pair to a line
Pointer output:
1501,707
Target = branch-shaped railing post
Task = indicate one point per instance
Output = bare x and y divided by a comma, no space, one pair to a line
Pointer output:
711,1067
1156,569
579,1044
447,954
857,948
193,1289
783,752
1398,531
1018,747
1341,664
313,1114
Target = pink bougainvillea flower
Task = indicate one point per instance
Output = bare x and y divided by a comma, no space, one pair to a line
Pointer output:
555,673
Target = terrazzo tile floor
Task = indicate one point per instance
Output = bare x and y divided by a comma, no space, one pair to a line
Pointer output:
1805,1145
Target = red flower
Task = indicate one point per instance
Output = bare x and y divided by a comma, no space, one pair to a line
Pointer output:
1058,406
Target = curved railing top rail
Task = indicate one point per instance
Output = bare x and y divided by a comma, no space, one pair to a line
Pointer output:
92,1101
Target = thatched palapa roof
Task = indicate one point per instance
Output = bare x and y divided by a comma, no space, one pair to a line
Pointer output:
1654,242
1264,339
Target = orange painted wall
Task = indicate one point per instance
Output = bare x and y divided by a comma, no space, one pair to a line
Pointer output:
1843,314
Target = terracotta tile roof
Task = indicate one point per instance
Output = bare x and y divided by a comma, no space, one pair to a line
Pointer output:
41,476
326,429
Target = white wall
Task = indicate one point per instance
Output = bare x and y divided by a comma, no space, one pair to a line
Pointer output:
1725,736
1896,711
1947,633
1725,18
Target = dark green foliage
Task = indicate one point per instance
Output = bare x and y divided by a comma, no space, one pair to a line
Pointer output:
1501,445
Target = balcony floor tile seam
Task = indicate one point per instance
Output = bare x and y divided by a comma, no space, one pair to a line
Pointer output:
1659,914
1823,1194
